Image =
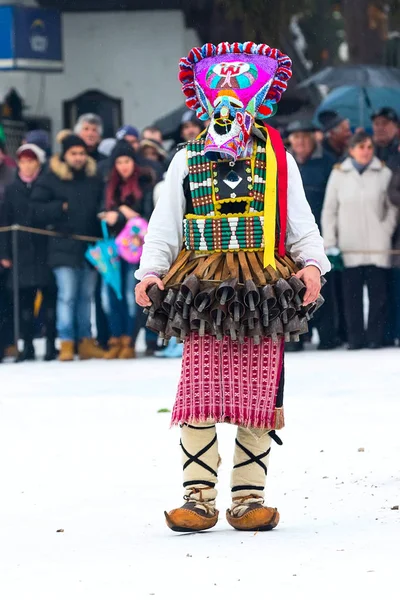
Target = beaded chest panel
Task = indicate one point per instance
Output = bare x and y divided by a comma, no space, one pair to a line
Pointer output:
228,201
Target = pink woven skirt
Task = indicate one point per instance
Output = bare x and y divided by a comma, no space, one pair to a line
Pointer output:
225,381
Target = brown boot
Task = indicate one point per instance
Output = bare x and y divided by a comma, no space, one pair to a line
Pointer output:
191,517
127,351
88,348
114,348
10,352
67,351
254,518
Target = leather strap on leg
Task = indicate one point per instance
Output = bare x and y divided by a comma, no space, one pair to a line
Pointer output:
252,449
200,461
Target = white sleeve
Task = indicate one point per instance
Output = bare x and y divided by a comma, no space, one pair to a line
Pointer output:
303,239
164,238
330,210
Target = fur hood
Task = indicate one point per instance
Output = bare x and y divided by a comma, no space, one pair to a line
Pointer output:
63,172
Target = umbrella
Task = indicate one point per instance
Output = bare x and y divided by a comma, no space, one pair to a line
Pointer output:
131,239
355,75
358,103
104,257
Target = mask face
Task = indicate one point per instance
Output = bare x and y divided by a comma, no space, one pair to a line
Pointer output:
231,90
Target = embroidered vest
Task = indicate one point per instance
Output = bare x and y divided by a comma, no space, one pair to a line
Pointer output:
228,201
235,204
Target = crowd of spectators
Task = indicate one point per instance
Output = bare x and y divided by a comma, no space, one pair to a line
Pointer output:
352,183
351,180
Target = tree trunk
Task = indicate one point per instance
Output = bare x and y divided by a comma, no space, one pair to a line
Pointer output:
365,24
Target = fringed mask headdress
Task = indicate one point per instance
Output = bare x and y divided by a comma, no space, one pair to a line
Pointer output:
233,85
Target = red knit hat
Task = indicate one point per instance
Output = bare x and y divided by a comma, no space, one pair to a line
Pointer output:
31,151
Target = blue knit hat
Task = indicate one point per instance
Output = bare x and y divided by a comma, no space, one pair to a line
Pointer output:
39,137
127,130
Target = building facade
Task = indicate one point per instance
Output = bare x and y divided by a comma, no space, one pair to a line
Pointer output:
129,55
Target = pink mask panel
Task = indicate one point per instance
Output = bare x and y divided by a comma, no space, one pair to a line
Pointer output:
233,84
234,87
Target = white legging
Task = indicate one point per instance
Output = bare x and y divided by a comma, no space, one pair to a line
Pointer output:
200,461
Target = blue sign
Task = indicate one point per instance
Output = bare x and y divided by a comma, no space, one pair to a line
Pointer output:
30,39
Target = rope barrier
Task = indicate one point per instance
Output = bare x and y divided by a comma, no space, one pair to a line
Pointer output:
88,238
46,232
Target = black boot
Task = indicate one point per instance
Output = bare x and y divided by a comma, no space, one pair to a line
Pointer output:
51,350
28,353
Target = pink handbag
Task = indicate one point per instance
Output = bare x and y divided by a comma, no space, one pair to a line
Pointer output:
131,239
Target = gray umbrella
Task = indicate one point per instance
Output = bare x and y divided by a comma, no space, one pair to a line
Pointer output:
355,75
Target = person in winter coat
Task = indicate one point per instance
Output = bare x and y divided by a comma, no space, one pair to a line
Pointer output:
315,166
128,195
337,134
7,174
385,125
153,154
32,270
68,197
357,215
394,196
89,127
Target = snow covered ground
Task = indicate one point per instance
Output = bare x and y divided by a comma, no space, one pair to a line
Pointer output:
83,449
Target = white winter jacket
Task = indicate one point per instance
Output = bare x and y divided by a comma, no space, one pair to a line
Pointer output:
357,214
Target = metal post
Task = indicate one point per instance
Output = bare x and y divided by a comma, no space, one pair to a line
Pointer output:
15,284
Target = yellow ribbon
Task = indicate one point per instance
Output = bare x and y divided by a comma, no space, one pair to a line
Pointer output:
270,206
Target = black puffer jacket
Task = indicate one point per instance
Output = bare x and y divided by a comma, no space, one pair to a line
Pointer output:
82,192
32,249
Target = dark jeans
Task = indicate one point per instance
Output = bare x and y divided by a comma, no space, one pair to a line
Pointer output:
339,299
75,289
392,327
375,279
121,313
45,324
49,308
102,328
396,301
326,319
126,317
6,317
27,313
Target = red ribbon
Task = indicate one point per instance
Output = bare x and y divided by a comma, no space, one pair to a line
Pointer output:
281,159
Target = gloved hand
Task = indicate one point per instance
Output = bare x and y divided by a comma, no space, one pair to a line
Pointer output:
335,258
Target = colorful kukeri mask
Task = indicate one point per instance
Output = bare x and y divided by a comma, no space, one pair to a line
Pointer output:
233,84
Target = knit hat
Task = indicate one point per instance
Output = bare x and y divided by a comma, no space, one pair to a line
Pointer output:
330,119
127,130
39,137
122,148
32,151
190,117
71,141
301,126
156,145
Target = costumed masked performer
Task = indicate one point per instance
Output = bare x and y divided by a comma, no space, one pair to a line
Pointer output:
232,266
